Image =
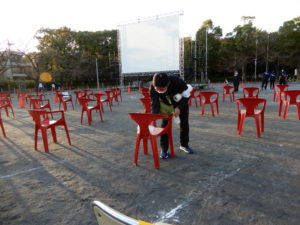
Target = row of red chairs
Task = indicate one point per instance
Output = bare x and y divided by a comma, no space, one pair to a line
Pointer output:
41,117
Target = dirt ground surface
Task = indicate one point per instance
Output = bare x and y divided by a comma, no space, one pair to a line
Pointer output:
230,180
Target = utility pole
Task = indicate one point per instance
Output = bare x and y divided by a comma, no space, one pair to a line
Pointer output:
206,51
9,61
97,73
255,60
267,53
195,60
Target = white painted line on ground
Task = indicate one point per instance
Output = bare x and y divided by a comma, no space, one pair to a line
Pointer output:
168,215
21,172
33,169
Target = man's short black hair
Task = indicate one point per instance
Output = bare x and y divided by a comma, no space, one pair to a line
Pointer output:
160,80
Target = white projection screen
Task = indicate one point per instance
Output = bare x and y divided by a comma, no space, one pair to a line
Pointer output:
150,46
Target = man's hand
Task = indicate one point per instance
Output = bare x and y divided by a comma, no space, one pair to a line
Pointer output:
177,112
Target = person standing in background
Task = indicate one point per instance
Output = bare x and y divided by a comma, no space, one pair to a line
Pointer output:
265,80
282,77
272,79
236,81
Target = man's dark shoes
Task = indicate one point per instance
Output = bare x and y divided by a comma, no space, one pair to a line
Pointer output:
186,149
164,155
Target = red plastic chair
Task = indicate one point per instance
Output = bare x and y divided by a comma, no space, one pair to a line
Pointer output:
1,123
147,130
278,89
78,94
291,97
251,107
84,102
108,99
5,103
64,98
115,95
194,96
228,90
147,104
209,97
42,122
251,92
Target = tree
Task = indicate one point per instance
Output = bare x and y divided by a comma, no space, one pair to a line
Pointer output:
239,48
209,36
289,39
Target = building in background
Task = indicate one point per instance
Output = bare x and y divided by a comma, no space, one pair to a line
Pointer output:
13,66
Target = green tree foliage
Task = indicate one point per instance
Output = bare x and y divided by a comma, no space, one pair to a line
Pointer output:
208,36
72,55
289,42
239,48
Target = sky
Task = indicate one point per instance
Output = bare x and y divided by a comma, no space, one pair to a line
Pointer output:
21,19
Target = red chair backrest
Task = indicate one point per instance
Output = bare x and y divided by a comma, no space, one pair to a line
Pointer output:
147,104
144,120
250,104
208,96
227,89
292,96
281,87
36,115
251,92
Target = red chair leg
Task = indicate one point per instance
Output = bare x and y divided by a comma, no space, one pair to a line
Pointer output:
145,145
67,133
35,138
298,108
154,152
53,132
212,109
256,118
100,115
238,122
242,119
136,153
280,108
286,109
45,139
203,109
81,116
262,118
217,106
2,127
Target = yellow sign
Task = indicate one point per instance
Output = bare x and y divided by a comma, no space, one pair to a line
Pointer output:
45,77
141,222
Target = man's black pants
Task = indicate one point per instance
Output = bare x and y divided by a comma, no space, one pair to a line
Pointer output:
184,130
